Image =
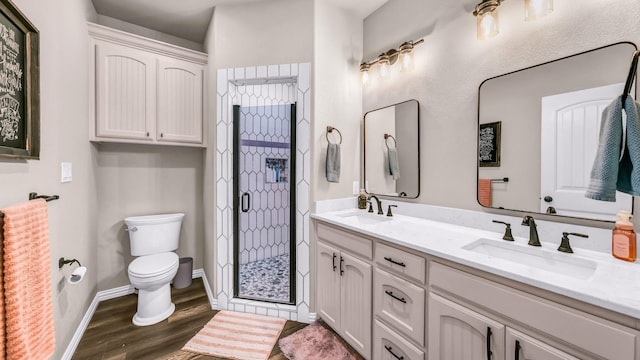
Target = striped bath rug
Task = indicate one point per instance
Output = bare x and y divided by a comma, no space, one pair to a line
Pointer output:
236,335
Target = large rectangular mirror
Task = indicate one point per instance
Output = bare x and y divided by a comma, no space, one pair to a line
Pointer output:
538,132
392,150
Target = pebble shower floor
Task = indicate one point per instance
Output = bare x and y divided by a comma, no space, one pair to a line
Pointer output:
266,279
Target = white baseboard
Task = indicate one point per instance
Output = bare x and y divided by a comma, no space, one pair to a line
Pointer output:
199,273
313,317
115,293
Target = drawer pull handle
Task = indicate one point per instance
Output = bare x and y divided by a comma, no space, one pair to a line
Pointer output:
334,262
341,265
395,262
390,293
517,357
489,353
390,350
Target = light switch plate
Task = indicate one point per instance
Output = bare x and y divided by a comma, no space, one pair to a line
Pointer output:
66,172
356,187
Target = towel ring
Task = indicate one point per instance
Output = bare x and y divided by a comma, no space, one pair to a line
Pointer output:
386,140
330,129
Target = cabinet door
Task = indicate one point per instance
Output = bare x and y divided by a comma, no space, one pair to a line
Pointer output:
125,92
328,285
524,347
180,85
456,332
355,303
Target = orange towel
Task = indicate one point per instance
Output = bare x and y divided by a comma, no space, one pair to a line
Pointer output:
484,192
28,299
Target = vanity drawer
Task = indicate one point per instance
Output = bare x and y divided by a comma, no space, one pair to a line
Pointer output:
401,262
354,243
387,345
399,303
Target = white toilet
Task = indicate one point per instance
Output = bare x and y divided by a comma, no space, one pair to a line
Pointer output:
153,239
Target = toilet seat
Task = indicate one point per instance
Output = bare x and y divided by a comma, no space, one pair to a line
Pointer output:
153,265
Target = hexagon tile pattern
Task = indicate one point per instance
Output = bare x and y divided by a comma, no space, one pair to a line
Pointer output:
247,87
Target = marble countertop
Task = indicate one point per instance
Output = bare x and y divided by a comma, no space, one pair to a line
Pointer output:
614,285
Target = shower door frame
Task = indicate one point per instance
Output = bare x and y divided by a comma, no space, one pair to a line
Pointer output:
292,209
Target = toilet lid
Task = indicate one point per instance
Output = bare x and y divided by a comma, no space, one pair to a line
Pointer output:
151,265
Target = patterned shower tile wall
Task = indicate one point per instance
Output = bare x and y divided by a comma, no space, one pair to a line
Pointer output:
264,230
235,87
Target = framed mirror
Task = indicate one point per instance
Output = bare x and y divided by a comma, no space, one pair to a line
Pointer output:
538,133
391,153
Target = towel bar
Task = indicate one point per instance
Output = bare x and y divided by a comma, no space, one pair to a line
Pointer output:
503,180
33,196
386,140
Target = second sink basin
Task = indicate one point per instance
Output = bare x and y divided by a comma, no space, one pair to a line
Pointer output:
538,258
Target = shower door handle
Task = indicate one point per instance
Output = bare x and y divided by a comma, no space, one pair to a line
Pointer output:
246,202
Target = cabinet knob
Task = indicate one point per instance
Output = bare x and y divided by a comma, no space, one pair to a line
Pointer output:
147,134
161,134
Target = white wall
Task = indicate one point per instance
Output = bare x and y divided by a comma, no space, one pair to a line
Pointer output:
64,71
337,96
137,180
451,64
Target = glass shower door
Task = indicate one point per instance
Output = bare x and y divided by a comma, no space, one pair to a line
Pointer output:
264,203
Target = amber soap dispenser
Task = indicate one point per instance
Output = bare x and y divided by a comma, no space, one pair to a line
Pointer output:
623,240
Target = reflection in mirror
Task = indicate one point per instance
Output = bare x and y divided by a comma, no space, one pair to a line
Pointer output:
392,150
538,133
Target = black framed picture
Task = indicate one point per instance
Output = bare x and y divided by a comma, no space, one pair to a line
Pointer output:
19,85
489,144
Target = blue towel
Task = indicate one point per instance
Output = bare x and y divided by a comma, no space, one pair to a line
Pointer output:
609,171
333,163
394,165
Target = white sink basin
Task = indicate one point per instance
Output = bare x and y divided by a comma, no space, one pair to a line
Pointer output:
365,218
538,258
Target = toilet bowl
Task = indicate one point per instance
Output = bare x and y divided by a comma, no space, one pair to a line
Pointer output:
153,239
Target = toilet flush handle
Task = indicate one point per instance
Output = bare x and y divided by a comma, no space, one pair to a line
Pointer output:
132,229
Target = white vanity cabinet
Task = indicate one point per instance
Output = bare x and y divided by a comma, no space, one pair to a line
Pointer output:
464,309
344,279
145,91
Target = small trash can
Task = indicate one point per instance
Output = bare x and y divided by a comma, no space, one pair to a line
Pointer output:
183,276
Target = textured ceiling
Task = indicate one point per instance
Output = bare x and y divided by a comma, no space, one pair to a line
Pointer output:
189,19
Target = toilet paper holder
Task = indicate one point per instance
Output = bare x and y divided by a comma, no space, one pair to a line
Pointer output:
78,274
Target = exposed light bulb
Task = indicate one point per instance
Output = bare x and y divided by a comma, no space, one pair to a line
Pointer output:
384,70
488,25
535,9
365,77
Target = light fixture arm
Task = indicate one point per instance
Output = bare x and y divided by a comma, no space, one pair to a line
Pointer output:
391,55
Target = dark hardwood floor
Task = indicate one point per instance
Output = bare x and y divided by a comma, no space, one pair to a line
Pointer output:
111,335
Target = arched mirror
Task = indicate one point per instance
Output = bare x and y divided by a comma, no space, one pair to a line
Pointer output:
392,150
538,132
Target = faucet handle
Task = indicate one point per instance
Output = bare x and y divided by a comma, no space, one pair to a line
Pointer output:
370,206
564,244
389,210
507,231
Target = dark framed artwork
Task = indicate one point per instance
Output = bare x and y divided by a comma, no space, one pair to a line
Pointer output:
489,144
19,85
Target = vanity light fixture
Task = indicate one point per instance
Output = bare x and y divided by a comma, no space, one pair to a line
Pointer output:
535,9
486,14
404,53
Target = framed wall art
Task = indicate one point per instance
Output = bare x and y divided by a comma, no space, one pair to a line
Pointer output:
19,85
489,144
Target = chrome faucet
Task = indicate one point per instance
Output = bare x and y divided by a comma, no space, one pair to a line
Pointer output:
533,231
378,202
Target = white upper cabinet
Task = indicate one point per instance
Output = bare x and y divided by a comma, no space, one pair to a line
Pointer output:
146,91
179,101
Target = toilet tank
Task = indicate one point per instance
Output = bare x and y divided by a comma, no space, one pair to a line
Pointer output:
154,234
